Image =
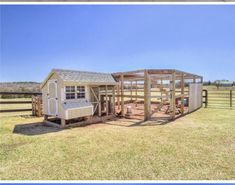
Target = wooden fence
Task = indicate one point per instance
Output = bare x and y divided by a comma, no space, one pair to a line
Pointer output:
219,98
35,102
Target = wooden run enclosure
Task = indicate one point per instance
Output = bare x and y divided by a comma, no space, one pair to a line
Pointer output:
36,103
153,93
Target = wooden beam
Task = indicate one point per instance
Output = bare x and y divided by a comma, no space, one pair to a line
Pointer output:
16,110
169,76
182,94
15,102
161,88
202,90
102,102
157,72
114,102
128,96
128,72
147,98
172,98
63,123
45,117
160,71
110,109
122,95
20,93
132,79
118,96
136,90
99,105
131,90
179,95
106,100
93,92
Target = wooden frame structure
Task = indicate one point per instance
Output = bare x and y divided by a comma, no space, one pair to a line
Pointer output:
169,85
103,99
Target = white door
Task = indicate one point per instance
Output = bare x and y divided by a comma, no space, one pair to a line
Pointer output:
195,96
52,98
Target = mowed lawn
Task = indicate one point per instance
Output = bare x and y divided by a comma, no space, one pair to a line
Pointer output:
197,146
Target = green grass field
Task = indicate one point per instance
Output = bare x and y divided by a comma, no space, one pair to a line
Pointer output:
200,145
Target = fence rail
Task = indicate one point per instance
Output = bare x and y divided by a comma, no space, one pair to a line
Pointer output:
20,93
16,110
15,102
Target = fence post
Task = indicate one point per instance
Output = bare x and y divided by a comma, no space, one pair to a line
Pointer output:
206,97
33,105
231,98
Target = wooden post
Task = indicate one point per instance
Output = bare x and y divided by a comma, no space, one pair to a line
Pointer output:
118,96
182,94
40,106
161,88
99,105
102,101
136,93
131,90
45,117
114,103
172,97
231,98
206,97
202,91
33,106
106,100
147,96
63,123
122,95
194,79
110,108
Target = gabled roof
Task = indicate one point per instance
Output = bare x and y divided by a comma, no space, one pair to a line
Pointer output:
82,77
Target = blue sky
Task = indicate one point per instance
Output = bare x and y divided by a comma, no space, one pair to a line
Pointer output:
110,38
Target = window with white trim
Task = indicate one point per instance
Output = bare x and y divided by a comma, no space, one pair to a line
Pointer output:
70,92
81,93
75,92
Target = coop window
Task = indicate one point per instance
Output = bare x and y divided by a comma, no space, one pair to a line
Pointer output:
81,92
70,92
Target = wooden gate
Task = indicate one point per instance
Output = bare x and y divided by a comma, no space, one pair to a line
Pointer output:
219,99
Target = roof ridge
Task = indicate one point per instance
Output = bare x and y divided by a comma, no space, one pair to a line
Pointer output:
81,71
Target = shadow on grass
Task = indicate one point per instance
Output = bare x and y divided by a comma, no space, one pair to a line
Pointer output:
125,122
32,129
40,128
152,122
